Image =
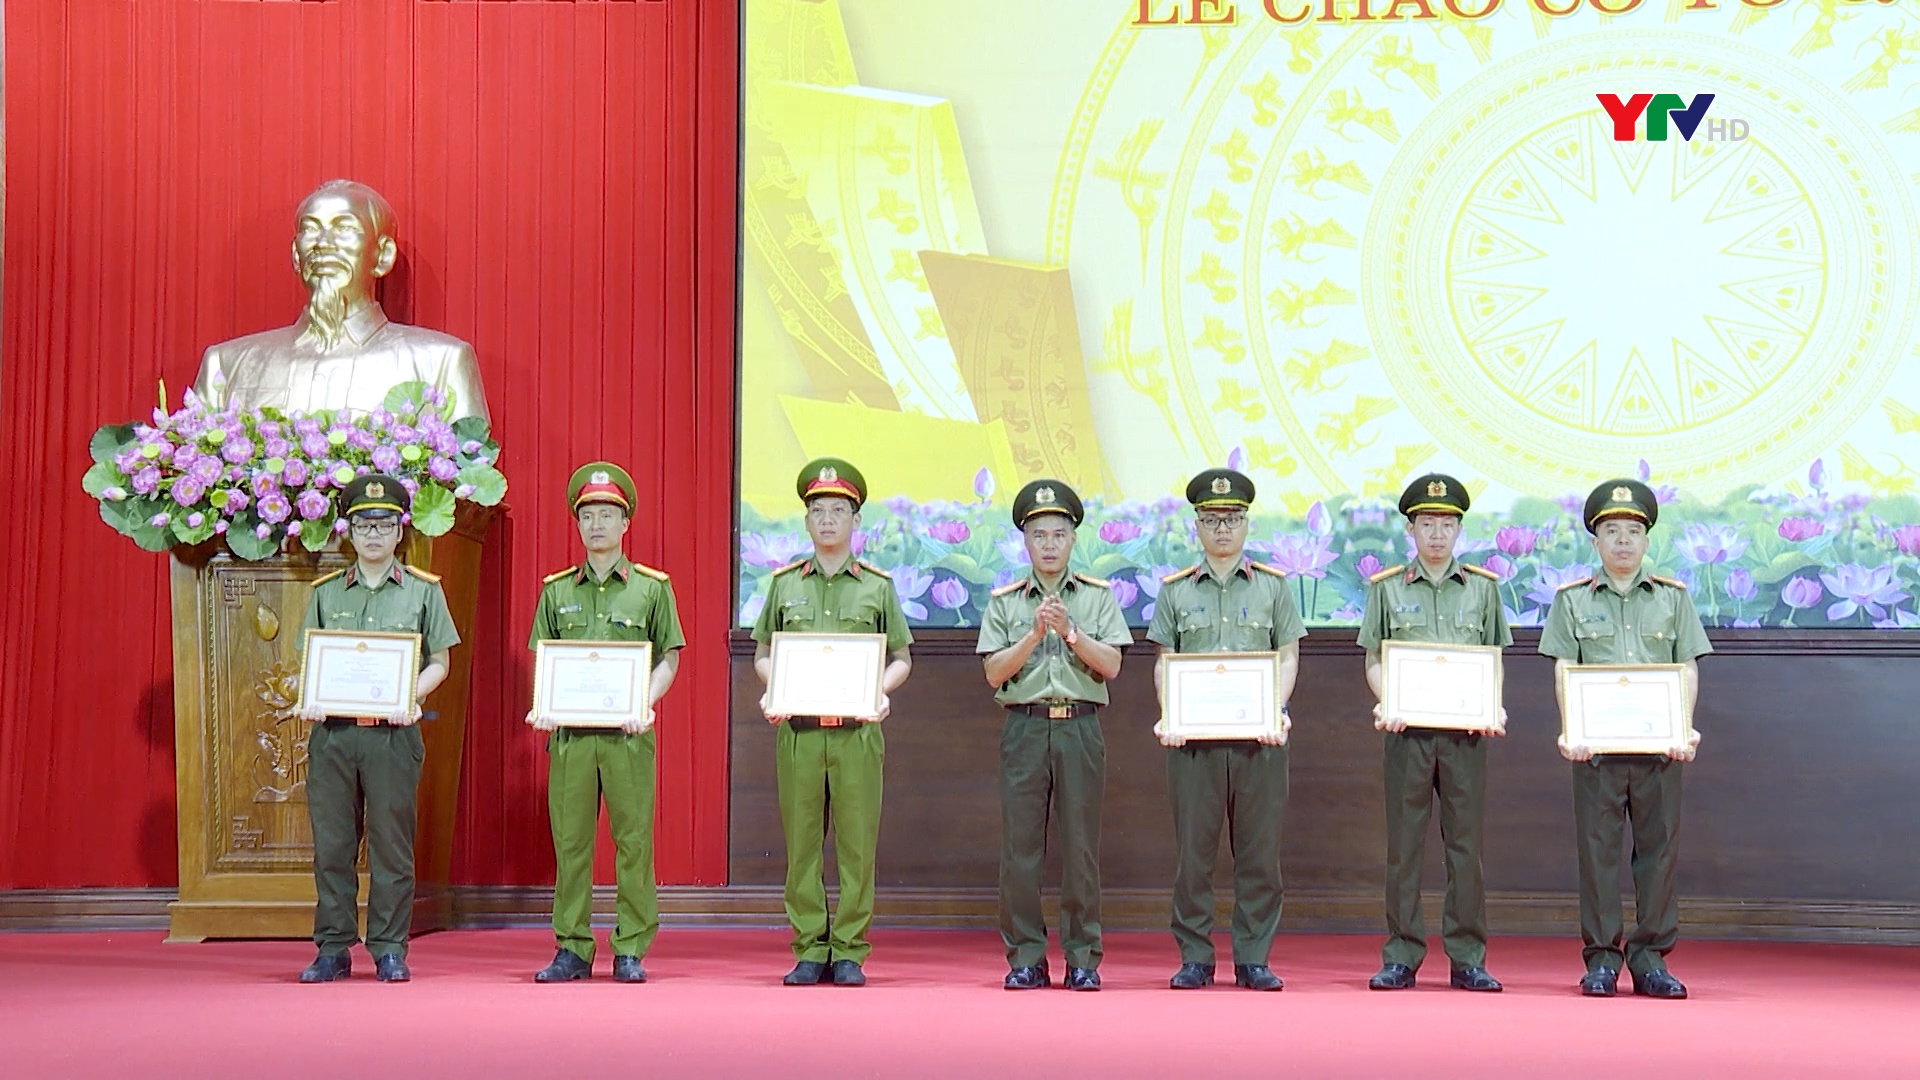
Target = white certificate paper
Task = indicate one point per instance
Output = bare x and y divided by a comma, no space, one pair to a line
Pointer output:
1625,708
1219,695
359,674
592,683
834,675
1454,687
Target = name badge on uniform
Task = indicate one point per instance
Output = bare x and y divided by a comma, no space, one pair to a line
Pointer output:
1594,617
344,615
1406,609
566,609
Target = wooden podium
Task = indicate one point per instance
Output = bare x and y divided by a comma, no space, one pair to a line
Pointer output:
246,852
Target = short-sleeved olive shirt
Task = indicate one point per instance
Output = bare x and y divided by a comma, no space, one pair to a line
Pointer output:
409,601
633,603
1052,673
1461,608
1652,622
856,599
1251,610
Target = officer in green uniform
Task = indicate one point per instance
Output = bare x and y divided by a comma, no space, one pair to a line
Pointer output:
363,771
1052,642
1436,599
1624,615
604,598
831,765
1227,603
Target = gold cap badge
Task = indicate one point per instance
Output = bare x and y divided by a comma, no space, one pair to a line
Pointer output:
1222,485
599,477
828,474
1622,494
1043,496
1436,489
378,490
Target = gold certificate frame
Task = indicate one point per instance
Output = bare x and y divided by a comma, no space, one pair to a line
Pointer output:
358,673
1625,708
592,684
1449,687
828,675
1220,695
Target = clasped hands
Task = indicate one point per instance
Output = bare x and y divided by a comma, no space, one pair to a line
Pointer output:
1051,615
1397,725
541,722
886,710
1582,753
1174,742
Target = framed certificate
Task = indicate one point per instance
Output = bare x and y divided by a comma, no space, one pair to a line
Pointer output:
1219,695
592,683
359,673
1429,685
1625,708
834,675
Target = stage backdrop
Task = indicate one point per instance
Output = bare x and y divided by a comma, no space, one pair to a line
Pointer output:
564,179
1337,244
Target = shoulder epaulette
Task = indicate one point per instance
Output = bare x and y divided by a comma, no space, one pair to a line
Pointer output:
1264,568
324,578
1681,585
1177,575
874,569
558,574
794,565
1481,570
1588,580
1387,573
423,575
1089,579
657,575
1011,586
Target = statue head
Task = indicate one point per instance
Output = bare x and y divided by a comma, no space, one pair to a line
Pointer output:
342,243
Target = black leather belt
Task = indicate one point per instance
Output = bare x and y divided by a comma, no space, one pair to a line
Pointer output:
1067,710
815,723
356,721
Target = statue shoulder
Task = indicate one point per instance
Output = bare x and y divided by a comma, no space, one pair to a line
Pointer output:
422,337
1383,575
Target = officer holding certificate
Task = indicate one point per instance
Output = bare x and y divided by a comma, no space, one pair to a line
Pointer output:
363,771
604,598
1625,615
1051,643
1436,599
1227,603
831,764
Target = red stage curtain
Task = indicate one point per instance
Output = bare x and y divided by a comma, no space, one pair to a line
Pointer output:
564,175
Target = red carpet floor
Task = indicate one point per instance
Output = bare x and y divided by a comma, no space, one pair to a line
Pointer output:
85,1005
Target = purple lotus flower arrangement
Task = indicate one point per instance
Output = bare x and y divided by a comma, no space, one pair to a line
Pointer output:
261,478
1802,556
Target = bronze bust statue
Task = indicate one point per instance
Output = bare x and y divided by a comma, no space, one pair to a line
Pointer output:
343,353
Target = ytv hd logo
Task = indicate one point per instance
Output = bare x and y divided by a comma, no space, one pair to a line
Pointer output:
1662,109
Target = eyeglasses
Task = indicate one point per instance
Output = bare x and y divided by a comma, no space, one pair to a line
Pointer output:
1222,522
828,513
374,529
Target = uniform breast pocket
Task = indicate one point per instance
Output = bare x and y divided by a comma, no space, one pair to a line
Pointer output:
864,614
1410,618
1196,619
1596,631
1256,630
798,615
625,628
398,624
1657,629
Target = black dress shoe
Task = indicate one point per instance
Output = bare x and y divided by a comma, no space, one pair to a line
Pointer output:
1392,977
1474,978
1599,982
627,969
566,967
848,973
391,967
1256,977
1028,978
327,968
1192,977
1082,979
1659,983
805,973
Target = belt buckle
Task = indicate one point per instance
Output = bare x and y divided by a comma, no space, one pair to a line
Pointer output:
1059,712
366,721
832,721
